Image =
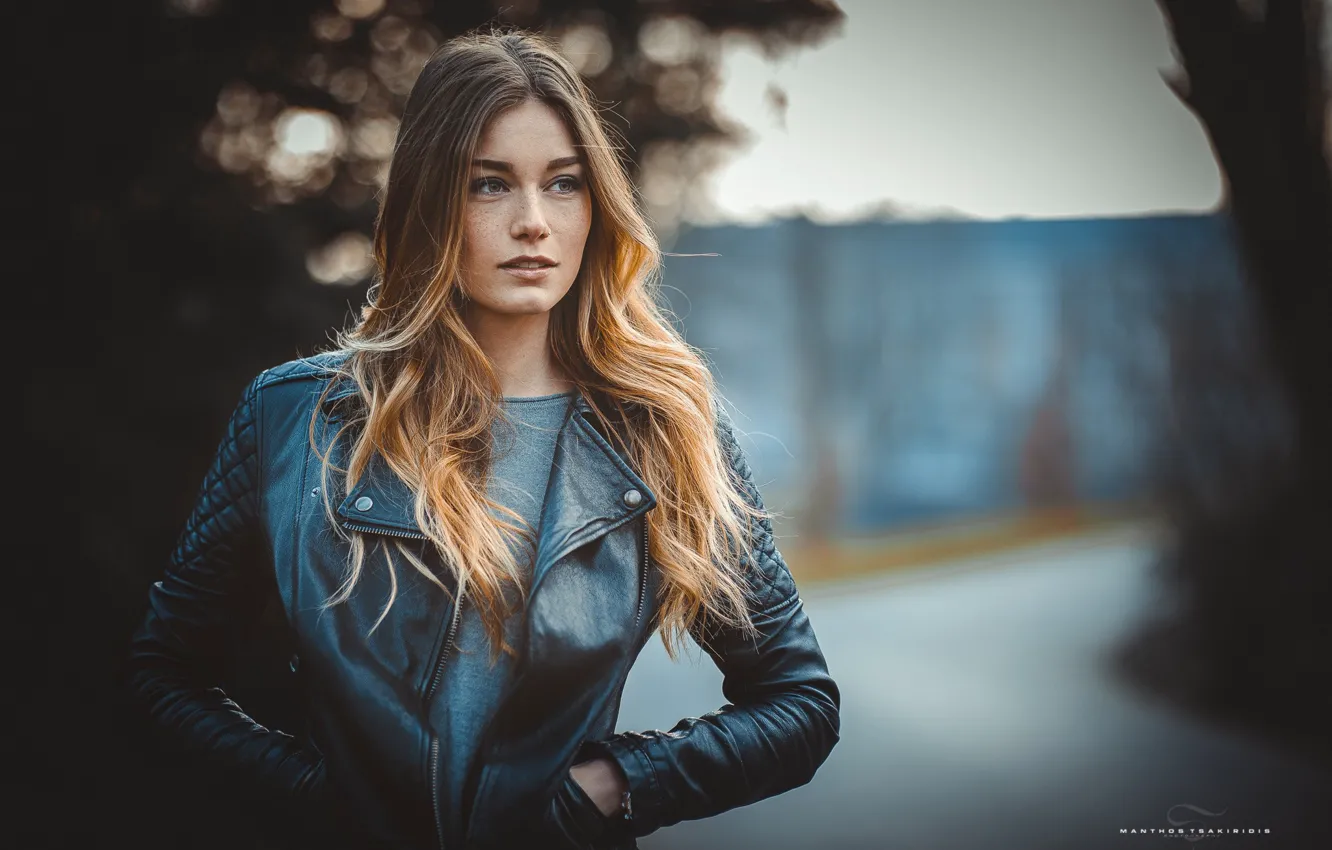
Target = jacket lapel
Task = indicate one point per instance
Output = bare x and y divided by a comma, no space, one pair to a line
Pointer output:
592,489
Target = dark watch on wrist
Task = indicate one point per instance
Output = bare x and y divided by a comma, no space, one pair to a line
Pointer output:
626,806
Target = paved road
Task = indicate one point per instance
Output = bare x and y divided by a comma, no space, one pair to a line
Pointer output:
978,713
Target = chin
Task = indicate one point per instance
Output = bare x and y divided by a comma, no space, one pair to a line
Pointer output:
527,303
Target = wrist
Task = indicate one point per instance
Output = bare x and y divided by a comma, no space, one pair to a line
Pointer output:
605,784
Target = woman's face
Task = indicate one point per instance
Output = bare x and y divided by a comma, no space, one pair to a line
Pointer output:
528,214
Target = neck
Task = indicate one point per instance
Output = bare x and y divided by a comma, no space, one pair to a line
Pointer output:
518,348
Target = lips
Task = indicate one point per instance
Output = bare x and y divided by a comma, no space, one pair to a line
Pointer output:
529,263
529,269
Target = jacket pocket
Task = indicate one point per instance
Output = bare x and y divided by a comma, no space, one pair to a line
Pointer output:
575,818
320,817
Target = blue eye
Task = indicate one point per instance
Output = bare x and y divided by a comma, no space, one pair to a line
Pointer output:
488,186
567,184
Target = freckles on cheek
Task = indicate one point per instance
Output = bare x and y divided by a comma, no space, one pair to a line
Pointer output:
576,223
480,235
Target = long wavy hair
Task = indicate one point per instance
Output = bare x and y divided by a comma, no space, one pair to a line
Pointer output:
428,394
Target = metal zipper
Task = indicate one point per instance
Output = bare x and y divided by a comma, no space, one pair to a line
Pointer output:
434,783
448,643
434,739
379,529
434,679
643,579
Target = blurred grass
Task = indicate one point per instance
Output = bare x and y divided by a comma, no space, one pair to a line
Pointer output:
933,543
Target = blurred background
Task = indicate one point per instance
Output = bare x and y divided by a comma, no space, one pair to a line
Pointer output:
1020,306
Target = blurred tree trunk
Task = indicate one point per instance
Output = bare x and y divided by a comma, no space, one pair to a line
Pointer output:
1250,567
1047,459
817,365
1255,79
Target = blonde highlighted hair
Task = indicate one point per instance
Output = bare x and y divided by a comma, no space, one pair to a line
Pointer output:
431,425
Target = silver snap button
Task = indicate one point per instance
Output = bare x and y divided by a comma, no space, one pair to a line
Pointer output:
314,492
633,498
365,503
295,663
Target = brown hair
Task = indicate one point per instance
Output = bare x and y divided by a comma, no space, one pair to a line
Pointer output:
431,425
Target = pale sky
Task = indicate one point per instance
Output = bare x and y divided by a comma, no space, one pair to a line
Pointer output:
980,108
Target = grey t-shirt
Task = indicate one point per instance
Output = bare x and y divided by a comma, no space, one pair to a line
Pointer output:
524,447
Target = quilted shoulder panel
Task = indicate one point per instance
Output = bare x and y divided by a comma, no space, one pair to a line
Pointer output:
316,366
214,585
221,533
770,578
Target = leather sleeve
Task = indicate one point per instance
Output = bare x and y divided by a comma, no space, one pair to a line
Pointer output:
782,719
212,583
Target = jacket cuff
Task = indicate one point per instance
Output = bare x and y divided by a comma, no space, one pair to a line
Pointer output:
311,785
645,795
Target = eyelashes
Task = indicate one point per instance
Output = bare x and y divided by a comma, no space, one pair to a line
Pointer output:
573,183
491,186
480,185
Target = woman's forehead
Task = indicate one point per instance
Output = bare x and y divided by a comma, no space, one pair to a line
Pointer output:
529,135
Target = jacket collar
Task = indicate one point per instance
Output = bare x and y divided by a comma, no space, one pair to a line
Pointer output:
591,489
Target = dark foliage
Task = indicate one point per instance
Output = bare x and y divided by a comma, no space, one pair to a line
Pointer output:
182,272
1251,639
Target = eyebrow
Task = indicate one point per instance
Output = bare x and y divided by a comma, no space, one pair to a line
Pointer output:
500,165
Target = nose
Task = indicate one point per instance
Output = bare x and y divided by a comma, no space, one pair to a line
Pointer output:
529,220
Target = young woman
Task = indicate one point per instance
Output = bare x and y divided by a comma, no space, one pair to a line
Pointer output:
479,507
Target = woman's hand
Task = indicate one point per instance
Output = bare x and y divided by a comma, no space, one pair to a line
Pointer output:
603,781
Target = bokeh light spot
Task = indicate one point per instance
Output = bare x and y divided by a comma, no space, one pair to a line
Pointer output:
588,47
671,40
360,9
345,260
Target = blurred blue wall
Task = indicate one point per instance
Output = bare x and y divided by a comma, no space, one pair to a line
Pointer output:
896,372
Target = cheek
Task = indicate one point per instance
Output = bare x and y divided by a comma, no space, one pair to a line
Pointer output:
478,237
578,222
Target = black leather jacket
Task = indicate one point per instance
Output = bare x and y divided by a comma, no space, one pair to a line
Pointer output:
370,768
